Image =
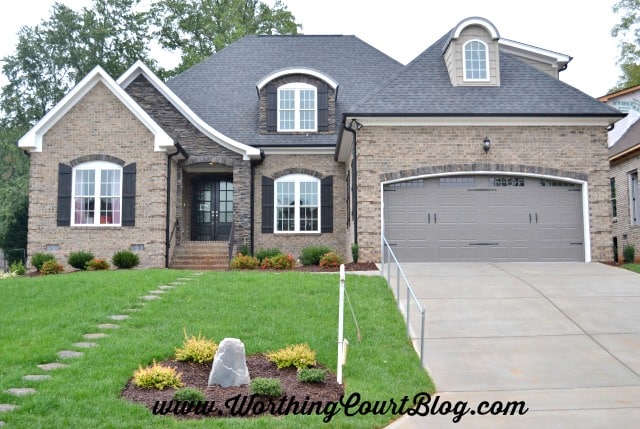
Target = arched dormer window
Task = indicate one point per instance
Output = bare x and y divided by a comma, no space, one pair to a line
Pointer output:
476,62
297,107
96,194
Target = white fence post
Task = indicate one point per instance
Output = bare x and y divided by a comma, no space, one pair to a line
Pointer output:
341,326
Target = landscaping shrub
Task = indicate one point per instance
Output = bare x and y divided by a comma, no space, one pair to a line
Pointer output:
125,259
311,255
266,387
629,253
51,267
279,262
242,262
298,355
330,260
311,375
40,258
196,349
78,260
18,268
267,253
188,394
97,264
355,252
156,377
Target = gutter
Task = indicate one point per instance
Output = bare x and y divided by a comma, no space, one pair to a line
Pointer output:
354,177
252,191
180,150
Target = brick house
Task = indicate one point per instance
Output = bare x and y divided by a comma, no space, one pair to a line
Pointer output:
475,151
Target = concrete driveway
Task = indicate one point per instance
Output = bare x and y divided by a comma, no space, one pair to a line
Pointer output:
563,337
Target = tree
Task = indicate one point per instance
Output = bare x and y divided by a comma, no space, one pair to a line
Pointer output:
628,33
53,56
199,28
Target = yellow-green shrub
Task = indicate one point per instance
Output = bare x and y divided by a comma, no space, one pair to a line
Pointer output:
157,377
298,355
330,260
242,262
196,349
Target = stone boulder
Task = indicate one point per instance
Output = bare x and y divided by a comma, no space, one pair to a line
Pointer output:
229,367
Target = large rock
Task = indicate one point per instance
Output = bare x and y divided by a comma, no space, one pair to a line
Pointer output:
229,366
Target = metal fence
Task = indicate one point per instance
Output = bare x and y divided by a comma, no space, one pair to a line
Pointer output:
389,258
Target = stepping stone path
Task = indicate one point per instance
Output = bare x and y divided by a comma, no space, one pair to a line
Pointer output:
21,391
7,407
176,283
156,292
37,377
149,297
52,366
69,354
85,345
108,326
166,287
119,317
95,336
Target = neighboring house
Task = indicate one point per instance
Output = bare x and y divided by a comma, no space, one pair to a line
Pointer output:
474,151
627,101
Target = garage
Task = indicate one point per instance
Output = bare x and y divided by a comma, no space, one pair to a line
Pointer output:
484,218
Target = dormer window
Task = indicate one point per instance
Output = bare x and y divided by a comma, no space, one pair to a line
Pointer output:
297,107
476,61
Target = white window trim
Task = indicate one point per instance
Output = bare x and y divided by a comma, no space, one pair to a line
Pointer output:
97,166
297,87
634,199
464,62
296,178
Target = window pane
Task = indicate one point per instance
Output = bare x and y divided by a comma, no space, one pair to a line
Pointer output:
475,54
308,219
285,194
109,211
83,209
286,220
309,193
110,183
287,120
85,183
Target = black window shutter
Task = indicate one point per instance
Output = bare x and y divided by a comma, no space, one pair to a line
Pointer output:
129,195
272,108
326,204
64,195
323,107
267,204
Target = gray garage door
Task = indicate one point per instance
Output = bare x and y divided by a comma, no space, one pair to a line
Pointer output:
484,218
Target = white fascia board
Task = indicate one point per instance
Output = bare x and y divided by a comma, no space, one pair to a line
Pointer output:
293,150
32,140
514,121
556,56
247,152
311,72
493,31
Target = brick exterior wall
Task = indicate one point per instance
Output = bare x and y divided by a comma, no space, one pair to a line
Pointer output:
99,124
275,166
623,229
386,153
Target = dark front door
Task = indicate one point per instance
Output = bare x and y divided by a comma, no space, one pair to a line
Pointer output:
212,208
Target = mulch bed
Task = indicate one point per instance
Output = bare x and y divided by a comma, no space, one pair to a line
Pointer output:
352,266
229,400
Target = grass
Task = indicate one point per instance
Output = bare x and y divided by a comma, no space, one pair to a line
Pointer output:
267,311
632,267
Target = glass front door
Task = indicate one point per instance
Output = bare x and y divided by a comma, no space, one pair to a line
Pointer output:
212,209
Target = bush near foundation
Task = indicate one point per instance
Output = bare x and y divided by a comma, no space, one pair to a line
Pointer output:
311,255
40,258
125,259
78,260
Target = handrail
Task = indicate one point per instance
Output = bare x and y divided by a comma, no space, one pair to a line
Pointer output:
230,243
387,255
173,230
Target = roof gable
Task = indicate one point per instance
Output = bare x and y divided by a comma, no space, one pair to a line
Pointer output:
32,140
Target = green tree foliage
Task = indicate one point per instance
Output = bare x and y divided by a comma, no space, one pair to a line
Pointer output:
53,56
199,28
627,31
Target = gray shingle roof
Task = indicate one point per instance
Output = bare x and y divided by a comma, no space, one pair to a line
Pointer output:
423,87
222,89
629,139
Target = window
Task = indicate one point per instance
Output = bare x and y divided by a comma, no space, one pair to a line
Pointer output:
297,204
633,199
614,209
506,181
475,61
297,107
97,194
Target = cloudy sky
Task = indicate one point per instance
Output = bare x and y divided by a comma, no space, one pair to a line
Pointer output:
404,28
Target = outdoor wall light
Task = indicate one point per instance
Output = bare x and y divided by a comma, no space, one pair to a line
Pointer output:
486,144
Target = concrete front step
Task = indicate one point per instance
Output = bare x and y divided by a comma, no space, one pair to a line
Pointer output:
201,256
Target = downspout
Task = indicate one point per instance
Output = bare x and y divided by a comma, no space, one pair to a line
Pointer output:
180,150
354,180
252,199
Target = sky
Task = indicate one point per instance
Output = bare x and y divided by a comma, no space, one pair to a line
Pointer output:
403,29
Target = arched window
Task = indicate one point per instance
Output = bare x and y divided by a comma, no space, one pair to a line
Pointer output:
476,61
297,204
96,194
297,107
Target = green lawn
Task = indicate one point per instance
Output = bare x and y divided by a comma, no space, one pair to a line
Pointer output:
632,267
266,310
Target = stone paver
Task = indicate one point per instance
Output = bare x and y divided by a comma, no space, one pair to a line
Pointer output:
21,391
149,297
52,366
7,407
177,283
108,326
36,377
1,423
157,292
85,345
119,317
94,336
69,354
166,287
